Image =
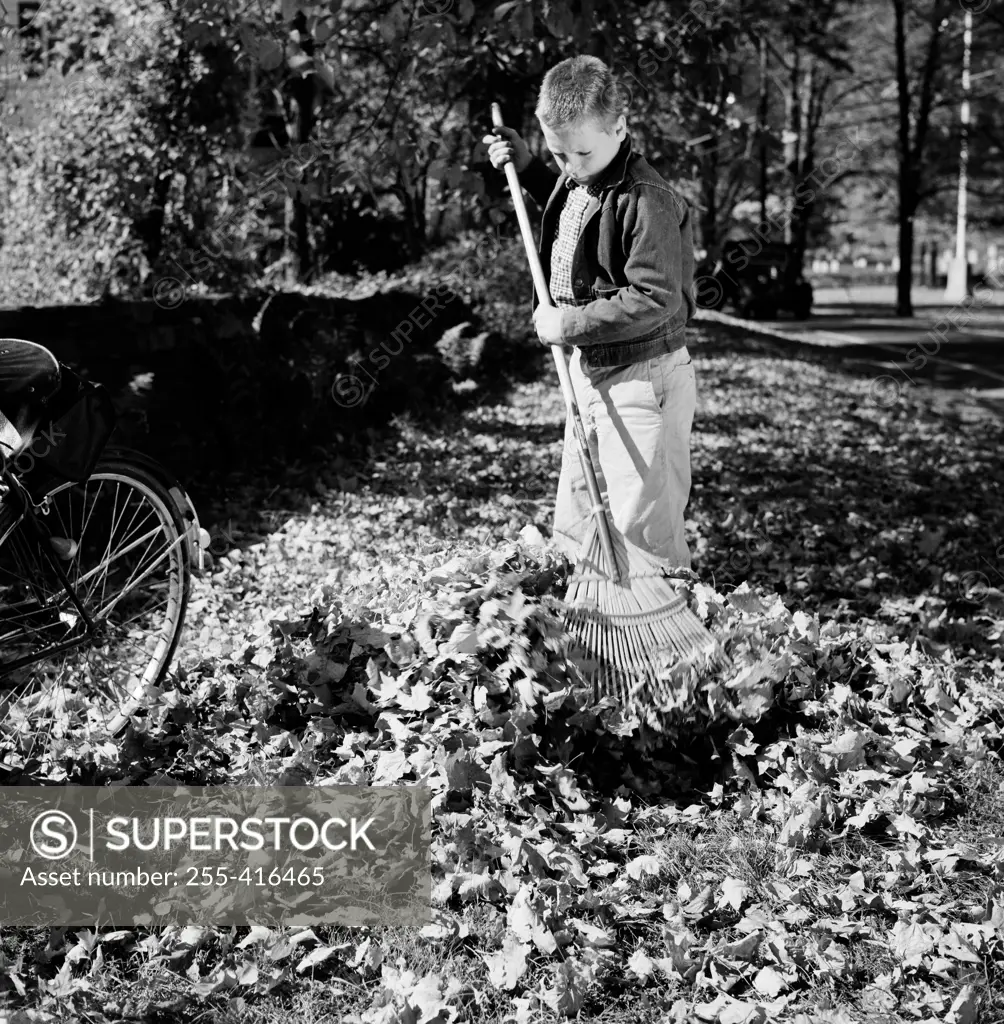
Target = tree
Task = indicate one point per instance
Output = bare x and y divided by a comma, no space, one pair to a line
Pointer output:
126,148
815,40
914,121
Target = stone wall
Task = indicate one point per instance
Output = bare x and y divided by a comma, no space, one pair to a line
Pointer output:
222,383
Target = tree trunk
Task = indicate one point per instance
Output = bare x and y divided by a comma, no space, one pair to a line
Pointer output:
907,184
289,262
802,206
912,152
904,276
302,92
151,227
793,124
710,235
762,113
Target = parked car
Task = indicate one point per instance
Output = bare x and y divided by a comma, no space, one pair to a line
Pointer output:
756,278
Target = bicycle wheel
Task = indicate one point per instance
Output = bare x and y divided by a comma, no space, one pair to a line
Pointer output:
120,541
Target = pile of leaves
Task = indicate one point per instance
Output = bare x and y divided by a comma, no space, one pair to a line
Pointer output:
560,868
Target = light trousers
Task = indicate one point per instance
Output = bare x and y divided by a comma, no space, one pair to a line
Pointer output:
637,420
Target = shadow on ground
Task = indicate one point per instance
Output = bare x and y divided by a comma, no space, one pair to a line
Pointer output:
801,483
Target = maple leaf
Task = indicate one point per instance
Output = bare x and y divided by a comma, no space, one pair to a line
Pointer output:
645,864
390,766
907,825
911,940
734,893
463,640
428,998
769,982
593,936
481,884
741,740
316,956
368,956
953,944
571,979
569,789
506,967
700,904
463,772
503,785
746,601
521,915
526,923
257,934
965,1008
640,964
869,812
221,980
419,698
740,1011
744,949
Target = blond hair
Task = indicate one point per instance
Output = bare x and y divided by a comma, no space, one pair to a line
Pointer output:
578,89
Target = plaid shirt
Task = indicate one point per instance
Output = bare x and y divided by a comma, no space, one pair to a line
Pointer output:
566,235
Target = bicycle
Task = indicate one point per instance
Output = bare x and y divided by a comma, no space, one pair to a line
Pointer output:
98,547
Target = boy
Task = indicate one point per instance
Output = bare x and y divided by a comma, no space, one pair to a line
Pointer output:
616,244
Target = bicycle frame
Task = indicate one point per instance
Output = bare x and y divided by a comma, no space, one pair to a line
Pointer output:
28,515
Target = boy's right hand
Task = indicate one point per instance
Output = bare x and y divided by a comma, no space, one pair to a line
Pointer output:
504,145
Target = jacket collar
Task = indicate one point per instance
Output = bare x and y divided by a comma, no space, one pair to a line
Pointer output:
613,173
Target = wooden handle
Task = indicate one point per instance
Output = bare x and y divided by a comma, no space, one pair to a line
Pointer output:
536,270
544,294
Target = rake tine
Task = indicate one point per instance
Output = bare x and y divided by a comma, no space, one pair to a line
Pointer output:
637,631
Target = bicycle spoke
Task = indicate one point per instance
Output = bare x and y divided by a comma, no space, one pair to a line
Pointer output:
128,569
167,553
144,611
109,561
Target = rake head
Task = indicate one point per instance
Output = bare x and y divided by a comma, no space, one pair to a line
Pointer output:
638,639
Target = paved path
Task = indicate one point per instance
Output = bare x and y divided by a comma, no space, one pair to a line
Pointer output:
967,354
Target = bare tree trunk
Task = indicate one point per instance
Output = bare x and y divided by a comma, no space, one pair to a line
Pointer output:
907,174
803,196
151,227
912,151
299,132
710,229
793,119
303,92
762,112
287,236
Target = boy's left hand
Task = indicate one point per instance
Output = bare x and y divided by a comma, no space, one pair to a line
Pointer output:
547,320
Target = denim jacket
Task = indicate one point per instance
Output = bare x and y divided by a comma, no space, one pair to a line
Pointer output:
634,261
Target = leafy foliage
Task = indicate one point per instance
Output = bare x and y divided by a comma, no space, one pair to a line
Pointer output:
122,156
236,140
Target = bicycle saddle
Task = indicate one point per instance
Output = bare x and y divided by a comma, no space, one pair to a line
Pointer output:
29,377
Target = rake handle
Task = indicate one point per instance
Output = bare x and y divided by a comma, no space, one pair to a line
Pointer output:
540,282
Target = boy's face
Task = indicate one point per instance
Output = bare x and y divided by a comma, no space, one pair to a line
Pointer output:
583,149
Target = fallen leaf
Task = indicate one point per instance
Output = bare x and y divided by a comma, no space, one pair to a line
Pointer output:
734,893
769,982
506,967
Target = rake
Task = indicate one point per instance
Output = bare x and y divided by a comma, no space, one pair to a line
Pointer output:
638,641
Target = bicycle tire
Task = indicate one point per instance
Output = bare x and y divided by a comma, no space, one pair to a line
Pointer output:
110,699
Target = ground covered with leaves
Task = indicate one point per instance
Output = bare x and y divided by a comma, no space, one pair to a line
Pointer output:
816,836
